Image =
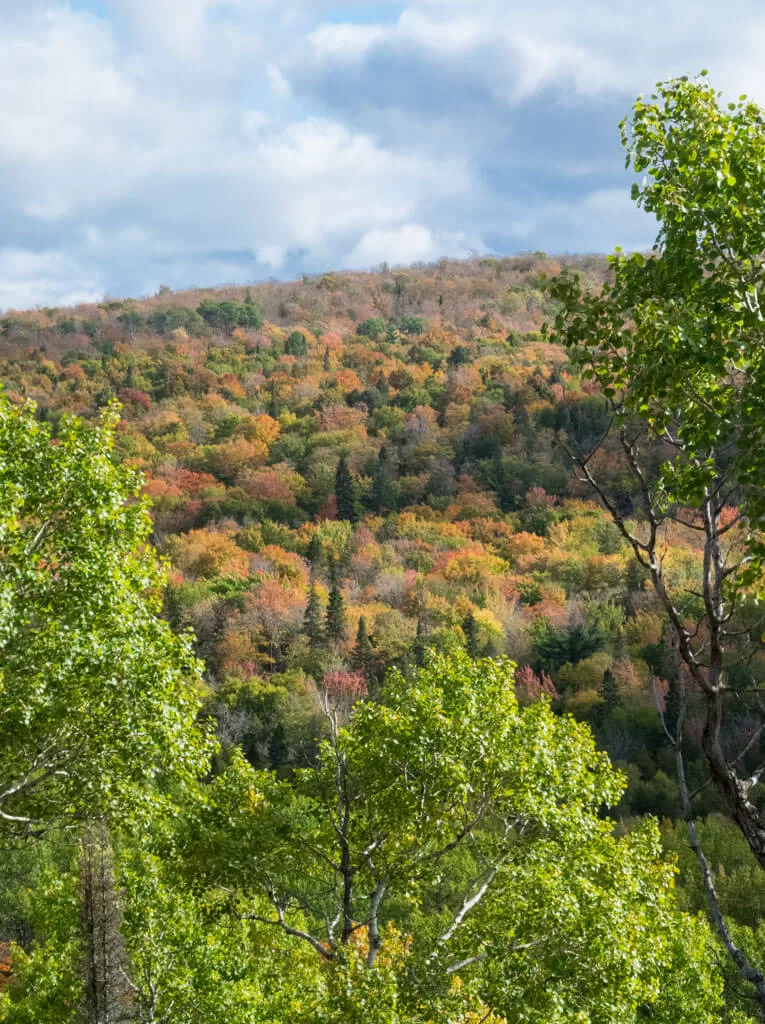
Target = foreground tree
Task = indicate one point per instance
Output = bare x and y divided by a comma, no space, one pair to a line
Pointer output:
676,344
181,957
98,696
446,852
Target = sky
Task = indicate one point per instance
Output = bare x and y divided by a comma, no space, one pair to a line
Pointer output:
200,142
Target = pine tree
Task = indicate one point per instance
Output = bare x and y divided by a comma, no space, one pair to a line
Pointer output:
278,751
249,314
362,656
296,344
326,360
609,691
420,643
273,405
312,627
335,623
314,552
382,483
344,493
470,629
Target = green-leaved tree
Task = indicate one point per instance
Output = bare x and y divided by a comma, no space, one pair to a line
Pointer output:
446,856
98,696
676,342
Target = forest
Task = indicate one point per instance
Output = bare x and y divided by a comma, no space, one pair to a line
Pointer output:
369,641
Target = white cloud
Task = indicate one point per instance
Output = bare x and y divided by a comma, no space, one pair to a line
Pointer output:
120,174
279,83
183,30
409,243
191,141
345,42
512,51
30,279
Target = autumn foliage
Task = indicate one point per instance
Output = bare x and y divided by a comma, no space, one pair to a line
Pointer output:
389,442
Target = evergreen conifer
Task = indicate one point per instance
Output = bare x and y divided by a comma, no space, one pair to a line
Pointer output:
382,483
362,656
609,691
278,751
335,623
470,629
420,643
314,552
346,499
312,627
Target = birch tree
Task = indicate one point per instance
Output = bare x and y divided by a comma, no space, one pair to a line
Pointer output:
676,342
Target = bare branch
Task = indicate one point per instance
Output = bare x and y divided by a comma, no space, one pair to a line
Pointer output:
751,974
280,922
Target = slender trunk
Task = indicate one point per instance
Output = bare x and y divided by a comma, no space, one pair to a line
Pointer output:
724,775
748,972
734,790
375,940
105,989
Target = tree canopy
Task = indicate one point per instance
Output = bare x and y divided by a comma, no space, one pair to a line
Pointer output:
446,834
99,696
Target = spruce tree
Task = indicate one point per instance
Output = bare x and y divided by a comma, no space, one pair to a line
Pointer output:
420,643
335,623
249,314
314,552
344,494
326,359
382,483
296,344
312,627
278,751
470,629
609,691
362,656
273,405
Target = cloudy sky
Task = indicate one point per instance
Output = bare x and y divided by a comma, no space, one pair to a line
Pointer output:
194,142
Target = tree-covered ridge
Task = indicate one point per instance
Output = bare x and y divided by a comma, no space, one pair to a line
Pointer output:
373,472
348,474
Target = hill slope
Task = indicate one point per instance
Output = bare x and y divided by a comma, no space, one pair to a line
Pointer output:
454,518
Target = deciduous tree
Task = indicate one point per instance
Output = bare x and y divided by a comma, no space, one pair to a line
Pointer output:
675,342
452,843
98,695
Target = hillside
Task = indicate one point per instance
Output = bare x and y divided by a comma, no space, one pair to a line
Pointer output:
346,473
461,522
